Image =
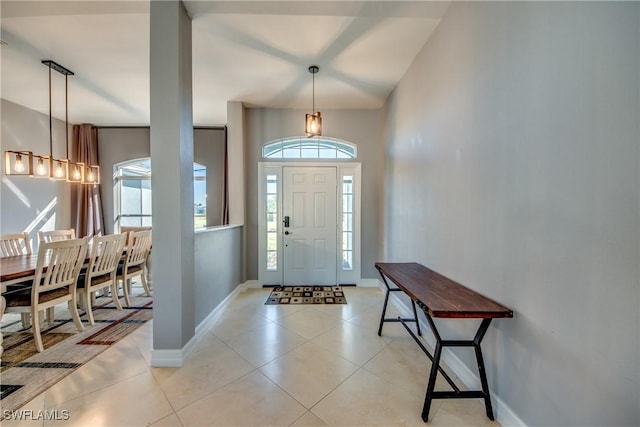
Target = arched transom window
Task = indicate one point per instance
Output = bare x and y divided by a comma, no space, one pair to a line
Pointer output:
301,147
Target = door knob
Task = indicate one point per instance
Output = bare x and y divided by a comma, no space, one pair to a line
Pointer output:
287,233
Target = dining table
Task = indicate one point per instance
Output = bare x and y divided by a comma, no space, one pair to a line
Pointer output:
17,269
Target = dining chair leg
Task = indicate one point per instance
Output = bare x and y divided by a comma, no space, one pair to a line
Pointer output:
73,308
125,291
114,295
88,306
35,326
145,285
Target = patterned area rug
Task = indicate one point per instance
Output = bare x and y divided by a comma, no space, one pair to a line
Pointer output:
306,295
27,373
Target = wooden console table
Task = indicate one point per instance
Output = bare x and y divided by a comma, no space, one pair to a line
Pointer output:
439,296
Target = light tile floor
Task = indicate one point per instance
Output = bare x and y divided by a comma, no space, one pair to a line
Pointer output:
261,364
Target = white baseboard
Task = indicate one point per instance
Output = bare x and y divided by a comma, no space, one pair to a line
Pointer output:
370,283
166,358
176,357
252,284
215,314
502,412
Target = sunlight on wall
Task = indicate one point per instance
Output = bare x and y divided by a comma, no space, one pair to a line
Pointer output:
50,224
48,216
19,194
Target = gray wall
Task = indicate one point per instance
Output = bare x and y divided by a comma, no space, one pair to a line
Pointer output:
116,145
512,166
218,267
362,127
24,199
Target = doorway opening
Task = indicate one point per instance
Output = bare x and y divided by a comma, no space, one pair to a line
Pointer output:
309,223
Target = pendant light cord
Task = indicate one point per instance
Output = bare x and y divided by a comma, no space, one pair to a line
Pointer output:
66,113
50,120
313,93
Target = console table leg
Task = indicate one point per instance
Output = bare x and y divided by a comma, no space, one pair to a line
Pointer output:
384,311
415,315
481,369
386,302
435,364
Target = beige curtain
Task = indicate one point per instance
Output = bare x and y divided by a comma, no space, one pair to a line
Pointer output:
86,205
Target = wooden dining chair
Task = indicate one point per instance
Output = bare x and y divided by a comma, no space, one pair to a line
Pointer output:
15,244
56,235
147,265
138,247
56,275
106,252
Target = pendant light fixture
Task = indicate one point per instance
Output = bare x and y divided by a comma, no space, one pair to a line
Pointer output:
18,163
58,168
313,121
42,166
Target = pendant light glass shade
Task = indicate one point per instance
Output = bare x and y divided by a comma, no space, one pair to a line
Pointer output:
58,169
313,124
92,174
41,166
18,163
313,121
75,172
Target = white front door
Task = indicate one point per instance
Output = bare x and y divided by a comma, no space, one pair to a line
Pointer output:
310,239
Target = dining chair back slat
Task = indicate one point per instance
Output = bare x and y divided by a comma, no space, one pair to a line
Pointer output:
106,252
15,244
65,258
138,248
56,235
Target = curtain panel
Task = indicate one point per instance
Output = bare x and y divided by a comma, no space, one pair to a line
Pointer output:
86,204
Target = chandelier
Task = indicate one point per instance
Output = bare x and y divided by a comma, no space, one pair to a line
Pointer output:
26,163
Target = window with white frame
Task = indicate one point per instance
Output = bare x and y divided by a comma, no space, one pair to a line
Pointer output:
133,195
271,210
347,222
309,148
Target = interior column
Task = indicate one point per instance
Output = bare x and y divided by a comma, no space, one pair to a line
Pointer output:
172,182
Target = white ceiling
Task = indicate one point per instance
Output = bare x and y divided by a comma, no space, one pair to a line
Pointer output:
256,52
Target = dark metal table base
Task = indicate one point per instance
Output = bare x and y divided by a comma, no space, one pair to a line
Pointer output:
435,367
392,319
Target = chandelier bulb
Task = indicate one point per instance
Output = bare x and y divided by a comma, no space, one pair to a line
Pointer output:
19,165
59,172
41,169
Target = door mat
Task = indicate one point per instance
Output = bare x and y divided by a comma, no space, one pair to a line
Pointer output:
306,295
